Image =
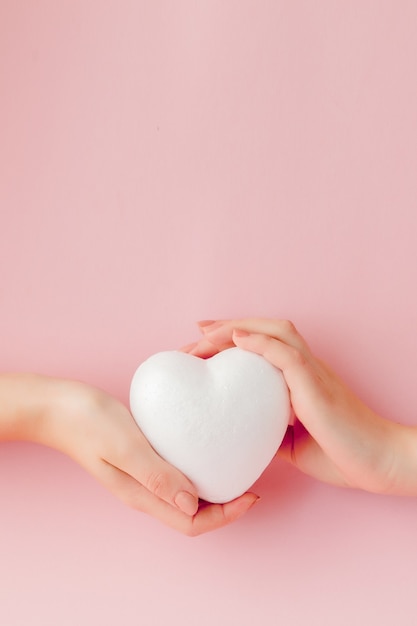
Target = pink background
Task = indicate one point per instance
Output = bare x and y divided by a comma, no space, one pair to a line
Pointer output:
163,162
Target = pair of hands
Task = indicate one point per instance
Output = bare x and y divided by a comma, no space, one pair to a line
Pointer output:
335,438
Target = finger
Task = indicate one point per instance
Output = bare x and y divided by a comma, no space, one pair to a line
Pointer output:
209,517
138,459
298,372
189,347
205,349
134,494
281,355
214,516
283,330
205,324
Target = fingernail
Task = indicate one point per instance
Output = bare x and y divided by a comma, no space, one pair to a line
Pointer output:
238,332
212,327
186,502
255,501
205,323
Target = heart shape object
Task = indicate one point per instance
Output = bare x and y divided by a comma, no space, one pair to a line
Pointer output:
220,421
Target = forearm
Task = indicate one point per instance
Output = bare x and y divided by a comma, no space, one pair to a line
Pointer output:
404,468
98,432
24,402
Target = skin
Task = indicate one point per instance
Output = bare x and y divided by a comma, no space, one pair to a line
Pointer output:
335,438
99,433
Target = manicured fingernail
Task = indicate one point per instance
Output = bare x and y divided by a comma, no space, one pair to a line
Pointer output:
238,332
212,327
186,502
204,323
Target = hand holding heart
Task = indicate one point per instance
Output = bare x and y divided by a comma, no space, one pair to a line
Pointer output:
336,438
99,433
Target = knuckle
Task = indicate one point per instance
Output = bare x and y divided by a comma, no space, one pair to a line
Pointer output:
156,483
287,327
297,357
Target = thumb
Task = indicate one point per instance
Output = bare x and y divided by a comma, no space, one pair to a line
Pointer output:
160,478
168,483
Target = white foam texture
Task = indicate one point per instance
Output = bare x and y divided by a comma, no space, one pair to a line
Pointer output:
220,421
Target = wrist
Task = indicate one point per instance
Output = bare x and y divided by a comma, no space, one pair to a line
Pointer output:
62,424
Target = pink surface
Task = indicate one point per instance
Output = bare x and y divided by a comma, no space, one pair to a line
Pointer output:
164,162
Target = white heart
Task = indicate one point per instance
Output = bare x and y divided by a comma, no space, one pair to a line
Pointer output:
220,421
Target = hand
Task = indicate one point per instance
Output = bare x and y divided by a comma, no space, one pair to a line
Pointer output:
336,438
98,432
